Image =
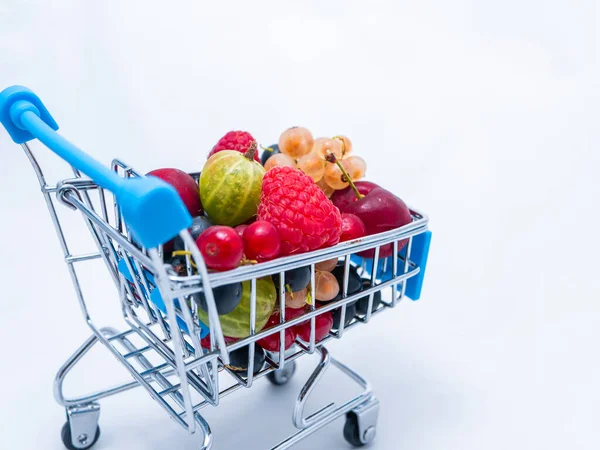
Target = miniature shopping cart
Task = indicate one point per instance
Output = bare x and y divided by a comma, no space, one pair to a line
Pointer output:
129,218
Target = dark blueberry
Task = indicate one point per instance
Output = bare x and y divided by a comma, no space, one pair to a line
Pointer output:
238,360
268,152
362,304
350,313
296,279
199,225
196,177
354,283
227,298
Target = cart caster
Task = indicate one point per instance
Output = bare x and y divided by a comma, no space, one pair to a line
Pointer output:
360,426
81,431
281,377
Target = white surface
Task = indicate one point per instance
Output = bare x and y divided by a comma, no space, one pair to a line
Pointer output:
483,114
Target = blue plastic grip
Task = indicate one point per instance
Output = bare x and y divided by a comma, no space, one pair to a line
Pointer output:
152,208
13,101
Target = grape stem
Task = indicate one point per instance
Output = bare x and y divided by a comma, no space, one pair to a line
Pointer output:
339,138
251,151
332,159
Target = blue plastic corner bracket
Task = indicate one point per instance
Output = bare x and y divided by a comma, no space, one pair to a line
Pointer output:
419,254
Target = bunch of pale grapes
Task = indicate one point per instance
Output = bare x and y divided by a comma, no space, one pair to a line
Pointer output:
300,150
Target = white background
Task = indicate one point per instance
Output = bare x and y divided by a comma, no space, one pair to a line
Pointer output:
484,114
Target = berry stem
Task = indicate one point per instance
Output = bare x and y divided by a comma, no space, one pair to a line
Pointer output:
339,138
332,159
251,151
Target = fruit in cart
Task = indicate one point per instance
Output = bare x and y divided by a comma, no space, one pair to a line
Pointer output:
354,169
296,299
239,360
199,225
324,146
379,209
323,324
337,315
227,298
354,281
269,151
344,198
240,141
185,186
326,286
346,144
296,142
261,241
279,160
312,165
205,341
240,229
327,266
237,323
293,313
362,305
305,218
295,279
271,343
335,178
221,247
327,190
352,227
355,166
230,186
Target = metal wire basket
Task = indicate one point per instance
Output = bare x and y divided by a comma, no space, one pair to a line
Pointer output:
162,346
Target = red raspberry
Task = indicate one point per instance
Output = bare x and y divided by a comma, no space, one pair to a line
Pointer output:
235,140
305,218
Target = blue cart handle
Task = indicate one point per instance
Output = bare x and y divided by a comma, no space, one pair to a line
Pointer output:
152,208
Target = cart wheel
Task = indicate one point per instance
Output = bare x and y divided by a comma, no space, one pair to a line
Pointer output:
84,440
352,432
281,377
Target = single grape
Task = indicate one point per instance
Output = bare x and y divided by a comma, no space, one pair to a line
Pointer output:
239,360
334,177
323,146
354,281
221,247
323,324
362,305
271,150
327,190
296,142
345,143
296,299
337,315
279,160
312,165
327,266
327,286
297,279
355,166
227,298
